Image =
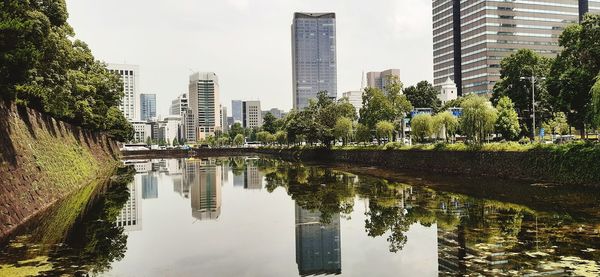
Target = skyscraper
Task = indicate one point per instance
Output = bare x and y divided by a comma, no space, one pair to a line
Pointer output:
251,114
205,186
470,37
180,105
204,103
380,79
147,106
314,62
130,75
236,111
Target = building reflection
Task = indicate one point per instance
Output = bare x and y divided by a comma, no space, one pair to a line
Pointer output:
130,216
250,177
149,186
318,245
203,181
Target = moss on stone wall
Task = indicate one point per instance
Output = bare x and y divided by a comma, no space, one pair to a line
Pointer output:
42,160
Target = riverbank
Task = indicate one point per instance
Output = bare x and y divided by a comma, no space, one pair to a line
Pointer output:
575,164
42,160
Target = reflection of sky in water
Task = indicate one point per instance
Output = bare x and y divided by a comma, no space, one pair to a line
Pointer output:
249,217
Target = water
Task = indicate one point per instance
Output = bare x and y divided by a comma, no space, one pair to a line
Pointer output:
262,217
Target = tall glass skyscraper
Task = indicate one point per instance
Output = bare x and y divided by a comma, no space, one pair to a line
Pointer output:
147,106
314,62
471,37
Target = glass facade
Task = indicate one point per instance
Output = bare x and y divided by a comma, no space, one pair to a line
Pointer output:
489,30
314,59
147,106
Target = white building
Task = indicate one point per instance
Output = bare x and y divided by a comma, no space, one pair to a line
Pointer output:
252,114
130,217
448,91
355,98
130,75
180,105
224,124
141,131
169,128
204,103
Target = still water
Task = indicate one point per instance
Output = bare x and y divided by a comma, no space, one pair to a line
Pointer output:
248,216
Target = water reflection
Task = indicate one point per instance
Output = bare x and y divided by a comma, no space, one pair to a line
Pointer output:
318,245
220,205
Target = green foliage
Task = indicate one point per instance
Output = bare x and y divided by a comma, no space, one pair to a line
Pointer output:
452,104
281,137
508,121
423,95
343,129
422,126
524,64
478,118
263,137
384,130
445,123
43,67
557,124
269,123
239,140
376,107
363,133
572,74
596,103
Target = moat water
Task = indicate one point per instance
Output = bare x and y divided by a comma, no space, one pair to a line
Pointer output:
248,216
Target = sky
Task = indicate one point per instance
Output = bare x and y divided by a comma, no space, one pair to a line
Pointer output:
247,43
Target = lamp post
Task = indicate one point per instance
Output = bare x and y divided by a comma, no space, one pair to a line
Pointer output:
533,79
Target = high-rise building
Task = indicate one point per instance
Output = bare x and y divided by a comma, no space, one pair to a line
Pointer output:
204,103
318,245
205,189
277,113
251,114
130,75
470,37
147,106
355,98
380,79
314,62
223,118
130,216
179,106
236,111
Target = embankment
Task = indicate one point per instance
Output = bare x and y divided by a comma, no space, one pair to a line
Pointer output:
566,164
42,160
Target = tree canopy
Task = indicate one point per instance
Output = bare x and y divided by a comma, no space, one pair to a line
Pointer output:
423,95
508,121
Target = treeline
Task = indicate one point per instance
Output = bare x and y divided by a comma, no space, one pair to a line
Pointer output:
43,67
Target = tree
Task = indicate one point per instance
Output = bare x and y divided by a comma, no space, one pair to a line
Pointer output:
376,107
508,122
513,84
557,124
478,118
343,129
399,103
175,142
422,126
596,103
236,129
572,74
148,141
269,123
118,126
384,130
239,140
423,95
445,123
363,133
281,137
263,137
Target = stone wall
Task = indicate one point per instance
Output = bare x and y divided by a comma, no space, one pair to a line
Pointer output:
42,160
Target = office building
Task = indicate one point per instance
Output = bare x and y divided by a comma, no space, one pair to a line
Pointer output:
470,37
142,130
204,104
179,106
251,114
147,106
314,62
223,118
236,111
380,79
130,75
149,186
130,216
354,98
277,113
318,245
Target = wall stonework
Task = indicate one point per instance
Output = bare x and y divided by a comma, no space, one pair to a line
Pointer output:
42,160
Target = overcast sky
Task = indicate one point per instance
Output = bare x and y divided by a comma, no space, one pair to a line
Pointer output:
247,42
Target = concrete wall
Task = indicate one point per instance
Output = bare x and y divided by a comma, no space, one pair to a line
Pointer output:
42,160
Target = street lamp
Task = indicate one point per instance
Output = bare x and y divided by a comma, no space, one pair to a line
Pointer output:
533,79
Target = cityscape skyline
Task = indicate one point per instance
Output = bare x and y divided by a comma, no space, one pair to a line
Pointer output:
241,70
